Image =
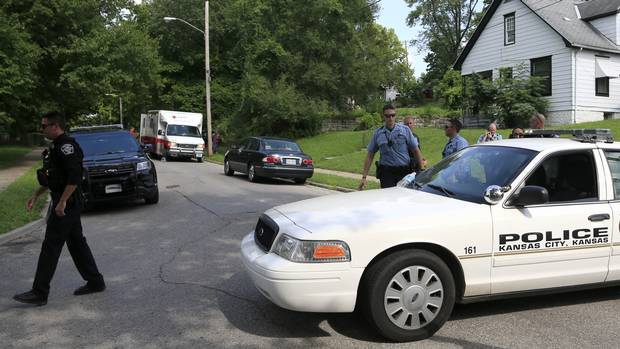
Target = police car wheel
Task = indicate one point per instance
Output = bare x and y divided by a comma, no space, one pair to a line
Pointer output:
152,199
252,177
227,170
409,295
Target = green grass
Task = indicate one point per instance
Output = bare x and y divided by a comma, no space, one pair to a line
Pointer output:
345,151
423,110
11,154
339,181
13,200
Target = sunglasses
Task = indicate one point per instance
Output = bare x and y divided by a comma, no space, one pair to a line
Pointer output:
389,115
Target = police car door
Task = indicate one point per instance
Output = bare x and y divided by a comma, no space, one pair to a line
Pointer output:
612,160
560,243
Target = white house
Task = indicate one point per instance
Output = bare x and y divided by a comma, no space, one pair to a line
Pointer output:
575,44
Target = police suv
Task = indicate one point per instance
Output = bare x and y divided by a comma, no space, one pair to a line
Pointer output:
499,219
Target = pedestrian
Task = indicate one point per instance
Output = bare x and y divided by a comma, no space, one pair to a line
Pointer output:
490,135
394,142
134,133
409,122
455,141
217,140
537,121
61,175
517,132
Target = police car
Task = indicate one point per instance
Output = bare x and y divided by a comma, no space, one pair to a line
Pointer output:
499,219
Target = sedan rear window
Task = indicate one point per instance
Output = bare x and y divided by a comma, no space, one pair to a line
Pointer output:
273,144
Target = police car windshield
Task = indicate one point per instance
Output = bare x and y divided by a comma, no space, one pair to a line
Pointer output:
469,172
183,130
280,145
106,143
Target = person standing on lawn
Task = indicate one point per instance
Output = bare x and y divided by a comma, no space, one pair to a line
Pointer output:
62,176
394,142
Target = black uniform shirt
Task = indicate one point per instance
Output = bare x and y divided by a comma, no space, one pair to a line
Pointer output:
65,163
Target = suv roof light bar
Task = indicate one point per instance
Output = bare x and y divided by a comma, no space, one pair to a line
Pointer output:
96,128
586,135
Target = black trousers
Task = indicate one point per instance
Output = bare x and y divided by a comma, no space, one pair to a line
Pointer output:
389,176
58,231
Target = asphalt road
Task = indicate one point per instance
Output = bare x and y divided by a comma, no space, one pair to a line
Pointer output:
175,280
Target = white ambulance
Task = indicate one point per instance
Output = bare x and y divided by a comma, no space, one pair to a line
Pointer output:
173,134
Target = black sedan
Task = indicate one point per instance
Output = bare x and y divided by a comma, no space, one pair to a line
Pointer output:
268,157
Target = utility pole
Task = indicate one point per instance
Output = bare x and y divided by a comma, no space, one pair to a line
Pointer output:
208,81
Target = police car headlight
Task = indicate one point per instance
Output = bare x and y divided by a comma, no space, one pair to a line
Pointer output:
302,251
143,166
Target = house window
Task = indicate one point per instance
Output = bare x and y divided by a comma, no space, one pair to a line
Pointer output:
509,29
486,75
602,87
542,67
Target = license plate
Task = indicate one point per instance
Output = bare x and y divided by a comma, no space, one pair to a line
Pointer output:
113,188
290,162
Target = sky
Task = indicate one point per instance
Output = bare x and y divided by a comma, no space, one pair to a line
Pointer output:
393,15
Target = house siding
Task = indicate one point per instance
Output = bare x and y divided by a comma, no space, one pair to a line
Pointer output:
585,89
608,26
534,39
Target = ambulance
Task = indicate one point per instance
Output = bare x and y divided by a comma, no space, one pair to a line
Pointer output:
173,134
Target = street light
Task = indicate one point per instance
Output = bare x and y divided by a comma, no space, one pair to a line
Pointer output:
205,33
120,104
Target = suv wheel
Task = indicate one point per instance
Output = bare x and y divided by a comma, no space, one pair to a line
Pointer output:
252,177
151,200
409,295
227,170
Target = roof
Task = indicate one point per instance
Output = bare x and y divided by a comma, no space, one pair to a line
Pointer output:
596,9
561,16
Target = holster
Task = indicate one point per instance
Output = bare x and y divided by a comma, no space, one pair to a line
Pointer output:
379,170
42,177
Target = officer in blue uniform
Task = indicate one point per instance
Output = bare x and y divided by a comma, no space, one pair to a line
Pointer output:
455,142
394,142
62,175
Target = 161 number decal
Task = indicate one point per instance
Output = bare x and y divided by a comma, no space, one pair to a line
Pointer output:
470,249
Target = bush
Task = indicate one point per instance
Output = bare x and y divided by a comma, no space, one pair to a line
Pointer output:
369,121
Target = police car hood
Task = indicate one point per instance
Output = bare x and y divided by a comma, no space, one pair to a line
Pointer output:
377,210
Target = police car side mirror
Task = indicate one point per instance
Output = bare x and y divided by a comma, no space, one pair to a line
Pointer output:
234,147
531,195
147,147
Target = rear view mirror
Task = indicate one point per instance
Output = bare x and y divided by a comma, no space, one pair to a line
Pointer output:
160,132
147,147
531,195
234,147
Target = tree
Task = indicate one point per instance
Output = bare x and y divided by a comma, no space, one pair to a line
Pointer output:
446,26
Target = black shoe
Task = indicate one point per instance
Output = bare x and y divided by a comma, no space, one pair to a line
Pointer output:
30,297
88,289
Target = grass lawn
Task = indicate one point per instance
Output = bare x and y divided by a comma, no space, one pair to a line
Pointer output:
11,154
345,151
339,181
13,199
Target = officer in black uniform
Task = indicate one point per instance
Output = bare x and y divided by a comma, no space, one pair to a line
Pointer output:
62,175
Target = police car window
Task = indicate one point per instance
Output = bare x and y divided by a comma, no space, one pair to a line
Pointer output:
613,159
106,143
567,177
466,174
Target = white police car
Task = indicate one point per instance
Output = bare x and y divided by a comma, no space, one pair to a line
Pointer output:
499,219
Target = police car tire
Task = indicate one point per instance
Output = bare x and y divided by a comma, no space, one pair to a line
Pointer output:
374,288
153,199
227,170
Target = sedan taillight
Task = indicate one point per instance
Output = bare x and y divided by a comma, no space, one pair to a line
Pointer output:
308,162
271,159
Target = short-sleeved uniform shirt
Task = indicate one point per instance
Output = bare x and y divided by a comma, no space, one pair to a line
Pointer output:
65,162
455,144
393,145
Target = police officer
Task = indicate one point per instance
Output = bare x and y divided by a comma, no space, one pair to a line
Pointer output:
409,122
62,175
394,142
455,141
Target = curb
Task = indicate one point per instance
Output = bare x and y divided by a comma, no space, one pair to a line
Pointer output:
25,229
330,187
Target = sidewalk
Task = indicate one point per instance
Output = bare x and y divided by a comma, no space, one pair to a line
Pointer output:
10,174
345,174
